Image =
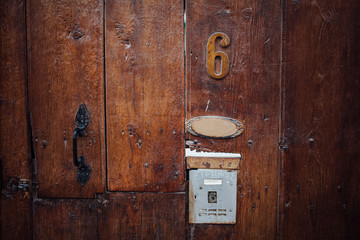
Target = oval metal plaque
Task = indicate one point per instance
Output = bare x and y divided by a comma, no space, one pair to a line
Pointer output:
214,127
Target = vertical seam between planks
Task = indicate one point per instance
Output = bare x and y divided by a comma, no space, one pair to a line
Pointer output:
104,81
185,85
279,131
31,154
281,116
185,112
184,29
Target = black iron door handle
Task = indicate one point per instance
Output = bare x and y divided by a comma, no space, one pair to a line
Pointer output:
77,161
81,122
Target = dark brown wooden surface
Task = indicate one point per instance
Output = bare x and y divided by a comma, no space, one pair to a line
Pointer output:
65,59
145,95
142,216
319,171
249,93
318,194
65,219
15,161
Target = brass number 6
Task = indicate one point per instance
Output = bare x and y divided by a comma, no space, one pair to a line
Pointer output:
211,55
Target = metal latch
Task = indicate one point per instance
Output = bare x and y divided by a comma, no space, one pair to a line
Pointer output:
81,121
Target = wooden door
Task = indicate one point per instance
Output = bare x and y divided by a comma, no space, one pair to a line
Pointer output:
65,70
140,68
248,93
125,63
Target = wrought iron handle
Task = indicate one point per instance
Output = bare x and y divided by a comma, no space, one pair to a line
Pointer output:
77,161
81,121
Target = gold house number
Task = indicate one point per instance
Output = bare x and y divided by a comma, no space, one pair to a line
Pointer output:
212,55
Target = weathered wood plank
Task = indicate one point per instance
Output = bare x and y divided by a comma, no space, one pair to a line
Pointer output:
319,190
65,53
249,93
142,216
65,219
145,95
15,162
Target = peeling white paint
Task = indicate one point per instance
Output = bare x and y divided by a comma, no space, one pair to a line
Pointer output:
194,153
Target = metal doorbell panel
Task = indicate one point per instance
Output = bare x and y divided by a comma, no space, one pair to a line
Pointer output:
212,196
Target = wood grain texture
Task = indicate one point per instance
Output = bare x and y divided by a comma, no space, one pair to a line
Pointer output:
65,55
249,93
65,219
213,163
15,160
142,216
145,95
319,191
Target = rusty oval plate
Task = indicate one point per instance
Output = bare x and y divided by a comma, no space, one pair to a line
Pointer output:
214,127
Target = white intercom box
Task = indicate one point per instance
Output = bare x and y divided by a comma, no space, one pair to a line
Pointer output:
212,196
